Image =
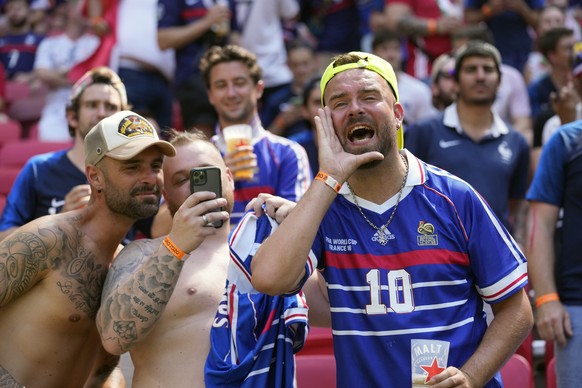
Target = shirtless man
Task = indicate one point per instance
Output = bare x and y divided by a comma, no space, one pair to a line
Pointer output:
53,268
160,306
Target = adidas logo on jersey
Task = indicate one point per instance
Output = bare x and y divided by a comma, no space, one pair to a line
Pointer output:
382,236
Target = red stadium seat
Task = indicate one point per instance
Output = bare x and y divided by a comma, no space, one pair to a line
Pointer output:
16,90
2,203
17,153
517,373
7,177
549,354
526,348
551,374
315,371
27,110
319,341
33,131
10,131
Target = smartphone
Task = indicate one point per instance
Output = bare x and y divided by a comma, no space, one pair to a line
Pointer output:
207,179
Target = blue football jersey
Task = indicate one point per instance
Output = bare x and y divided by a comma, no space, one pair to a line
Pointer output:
40,188
254,336
403,311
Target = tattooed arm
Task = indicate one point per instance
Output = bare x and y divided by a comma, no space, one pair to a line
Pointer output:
25,259
137,289
142,278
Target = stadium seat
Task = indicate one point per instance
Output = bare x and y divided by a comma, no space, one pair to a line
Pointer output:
517,373
549,354
27,110
315,371
33,131
7,177
526,348
16,90
2,203
17,153
10,131
551,374
319,341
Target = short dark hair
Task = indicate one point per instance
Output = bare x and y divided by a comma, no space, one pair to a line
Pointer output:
230,53
548,41
476,49
383,36
298,44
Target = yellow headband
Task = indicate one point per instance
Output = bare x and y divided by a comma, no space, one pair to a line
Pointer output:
369,62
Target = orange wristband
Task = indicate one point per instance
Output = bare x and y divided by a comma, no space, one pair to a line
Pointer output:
431,26
321,176
551,297
168,243
486,9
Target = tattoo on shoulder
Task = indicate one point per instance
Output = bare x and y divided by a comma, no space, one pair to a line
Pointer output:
23,259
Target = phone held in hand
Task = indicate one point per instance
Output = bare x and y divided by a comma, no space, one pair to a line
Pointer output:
207,179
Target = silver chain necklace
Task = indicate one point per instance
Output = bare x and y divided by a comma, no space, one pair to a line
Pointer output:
382,239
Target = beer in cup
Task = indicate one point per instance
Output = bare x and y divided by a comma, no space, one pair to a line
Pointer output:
234,137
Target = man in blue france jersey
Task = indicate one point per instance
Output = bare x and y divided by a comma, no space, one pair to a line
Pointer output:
408,252
234,81
56,181
555,263
161,304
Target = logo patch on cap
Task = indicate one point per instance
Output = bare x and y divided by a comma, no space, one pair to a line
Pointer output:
132,126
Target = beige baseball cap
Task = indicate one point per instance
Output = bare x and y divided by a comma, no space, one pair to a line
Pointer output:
122,136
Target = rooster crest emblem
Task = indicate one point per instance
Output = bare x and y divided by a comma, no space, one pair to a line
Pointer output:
425,228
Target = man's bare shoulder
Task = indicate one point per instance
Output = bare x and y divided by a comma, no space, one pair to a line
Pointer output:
46,228
38,243
52,249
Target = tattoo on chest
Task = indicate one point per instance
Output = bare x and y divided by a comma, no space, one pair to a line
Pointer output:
54,254
82,277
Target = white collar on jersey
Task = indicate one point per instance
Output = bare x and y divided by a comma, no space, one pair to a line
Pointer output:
416,176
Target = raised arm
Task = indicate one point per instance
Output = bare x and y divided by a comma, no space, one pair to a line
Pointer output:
278,265
144,274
